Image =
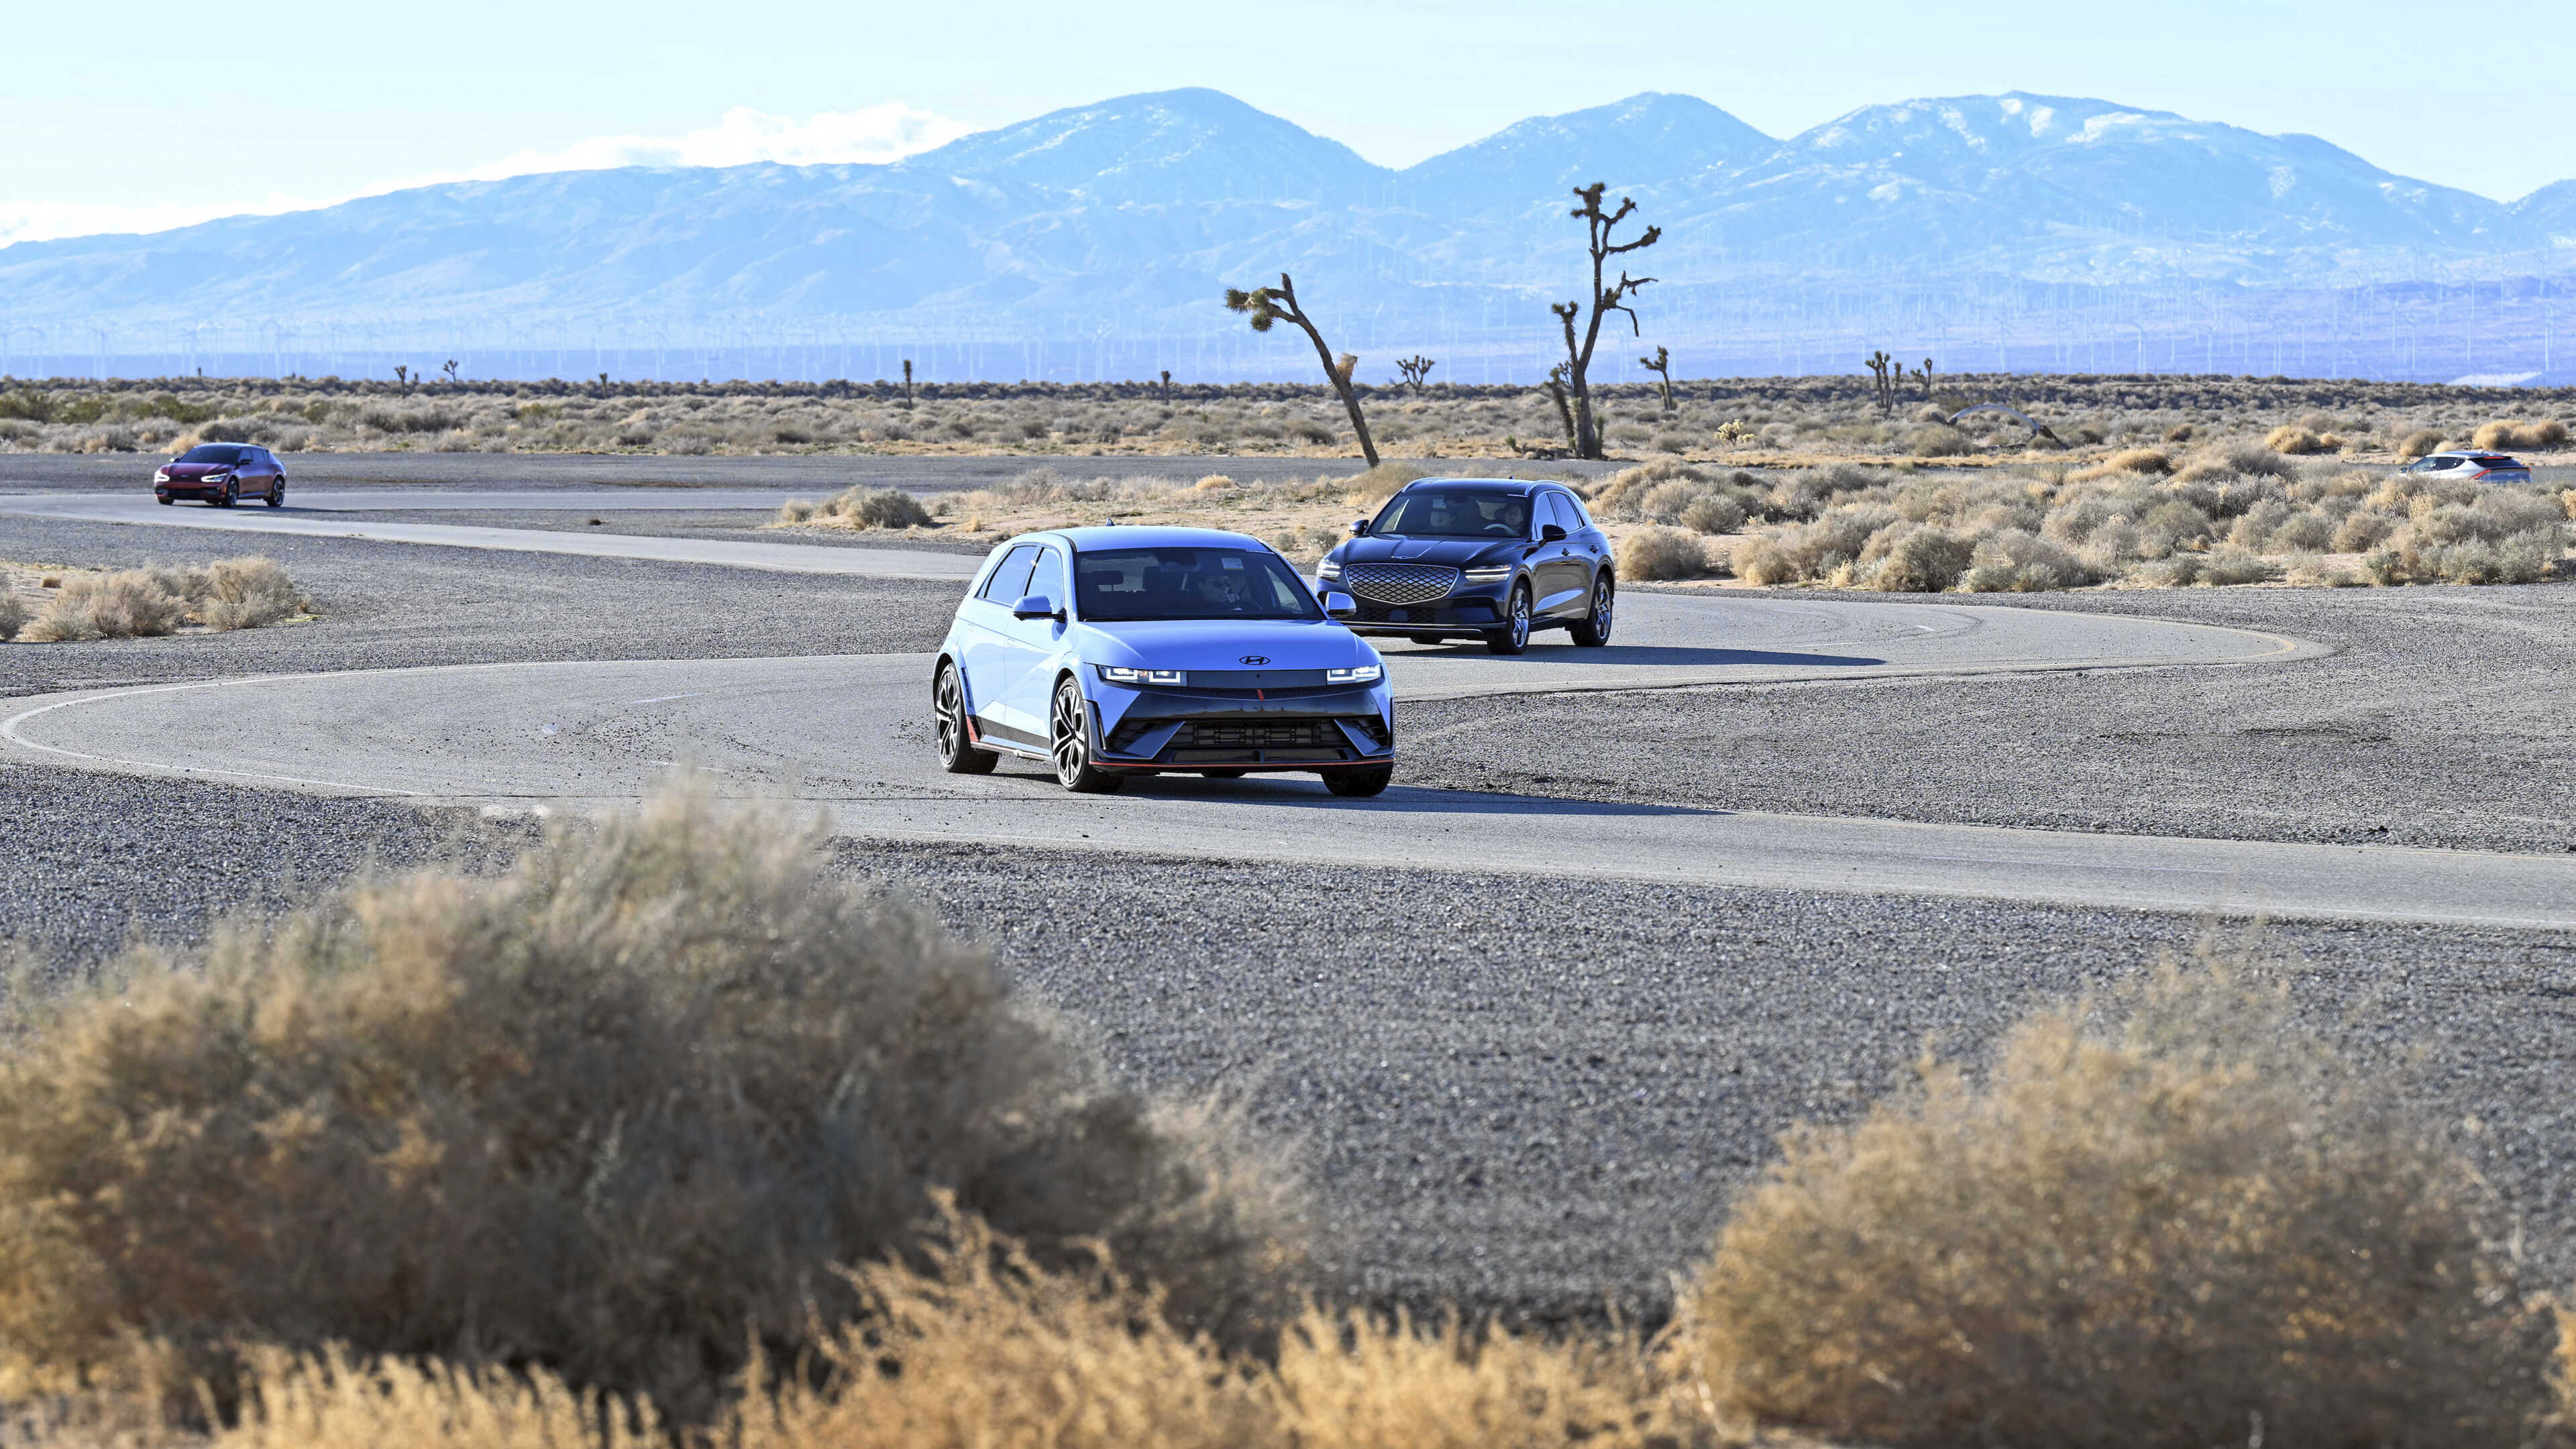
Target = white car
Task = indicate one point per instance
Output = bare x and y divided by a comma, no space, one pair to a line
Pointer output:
2472,466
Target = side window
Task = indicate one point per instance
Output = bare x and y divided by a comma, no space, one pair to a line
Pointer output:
1010,581
1048,579
1581,515
1552,509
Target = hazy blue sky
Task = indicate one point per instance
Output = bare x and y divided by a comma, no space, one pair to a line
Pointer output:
156,113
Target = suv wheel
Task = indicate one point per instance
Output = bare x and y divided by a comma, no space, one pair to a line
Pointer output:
1359,783
1513,637
1594,631
957,753
1071,743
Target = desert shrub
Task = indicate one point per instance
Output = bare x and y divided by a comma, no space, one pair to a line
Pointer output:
2415,556
1762,561
1938,440
2503,433
1656,552
2012,561
2294,440
2235,460
2309,571
2418,443
1672,492
616,1113
878,508
1922,561
2361,532
796,510
248,593
128,604
2159,1220
13,610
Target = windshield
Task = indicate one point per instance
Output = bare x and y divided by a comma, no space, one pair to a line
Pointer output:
212,453
1455,513
1188,583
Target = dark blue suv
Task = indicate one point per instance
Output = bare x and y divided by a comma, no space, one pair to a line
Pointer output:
1488,558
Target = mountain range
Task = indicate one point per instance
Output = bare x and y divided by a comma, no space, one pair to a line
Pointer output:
2040,221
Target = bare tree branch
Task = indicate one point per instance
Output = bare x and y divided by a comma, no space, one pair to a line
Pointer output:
1604,298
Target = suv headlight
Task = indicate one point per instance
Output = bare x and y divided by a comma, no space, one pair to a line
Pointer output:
1490,574
1328,569
1121,674
1356,674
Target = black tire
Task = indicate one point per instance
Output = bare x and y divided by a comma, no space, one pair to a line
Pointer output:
1513,637
957,753
231,496
1427,638
277,493
1070,743
1594,630
1223,774
163,500
1360,783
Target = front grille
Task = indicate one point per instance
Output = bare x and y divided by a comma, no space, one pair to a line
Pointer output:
1246,734
1474,613
1395,583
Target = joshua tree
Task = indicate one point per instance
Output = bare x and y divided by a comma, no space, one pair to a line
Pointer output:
450,370
1885,392
1555,386
402,374
1605,298
1266,305
907,382
1415,369
1927,379
1661,365
1167,384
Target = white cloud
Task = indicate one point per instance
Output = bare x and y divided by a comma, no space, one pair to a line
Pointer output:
887,132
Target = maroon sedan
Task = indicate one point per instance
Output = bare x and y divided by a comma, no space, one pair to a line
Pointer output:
222,474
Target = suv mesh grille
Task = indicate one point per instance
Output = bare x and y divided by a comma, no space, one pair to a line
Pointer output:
1394,583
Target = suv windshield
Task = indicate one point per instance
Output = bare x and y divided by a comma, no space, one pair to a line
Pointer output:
1455,513
1188,583
212,453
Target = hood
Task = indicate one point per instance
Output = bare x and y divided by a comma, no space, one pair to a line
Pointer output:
195,470
1223,643
1457,552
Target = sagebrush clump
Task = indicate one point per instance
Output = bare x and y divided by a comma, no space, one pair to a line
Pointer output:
621,1112
2170,1219
234,593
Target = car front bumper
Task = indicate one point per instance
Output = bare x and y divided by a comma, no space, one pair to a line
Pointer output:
1248,729
1468,608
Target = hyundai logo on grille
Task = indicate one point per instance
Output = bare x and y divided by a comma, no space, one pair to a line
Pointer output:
1256,658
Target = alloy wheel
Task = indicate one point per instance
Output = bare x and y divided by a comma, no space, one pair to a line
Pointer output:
957,752
1594,631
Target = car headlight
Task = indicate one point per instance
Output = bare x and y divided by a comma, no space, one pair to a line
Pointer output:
1328,569
1356,674
160,477
1491,574
1121,674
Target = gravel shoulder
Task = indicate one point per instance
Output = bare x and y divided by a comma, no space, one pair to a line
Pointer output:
1523,1097
2443,719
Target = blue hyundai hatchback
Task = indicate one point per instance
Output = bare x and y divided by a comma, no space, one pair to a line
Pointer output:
1109,652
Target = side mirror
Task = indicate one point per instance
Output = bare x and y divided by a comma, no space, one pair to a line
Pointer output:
1035,606
1359,528
1338,605
1551,533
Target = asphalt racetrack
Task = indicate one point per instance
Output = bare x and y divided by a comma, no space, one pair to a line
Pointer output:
848,731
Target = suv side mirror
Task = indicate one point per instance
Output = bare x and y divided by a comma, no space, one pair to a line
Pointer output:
1359,528
1036,606
1338,605
1551,533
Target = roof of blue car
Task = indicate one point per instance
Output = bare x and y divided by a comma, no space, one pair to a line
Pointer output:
1125,536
